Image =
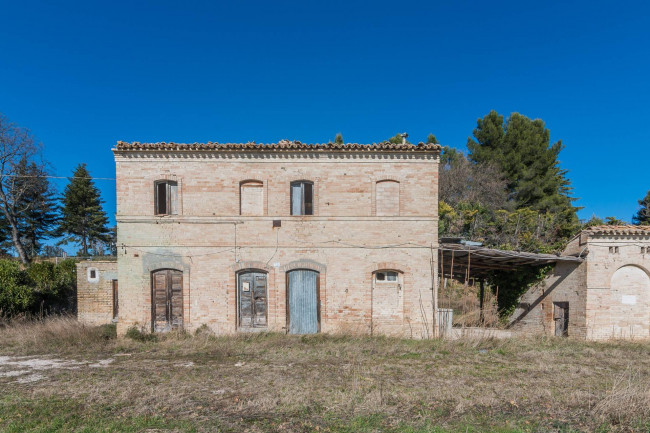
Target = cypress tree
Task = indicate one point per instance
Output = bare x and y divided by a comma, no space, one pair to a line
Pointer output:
83,219
338,139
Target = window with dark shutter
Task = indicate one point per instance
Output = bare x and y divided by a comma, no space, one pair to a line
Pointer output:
166,197
302,198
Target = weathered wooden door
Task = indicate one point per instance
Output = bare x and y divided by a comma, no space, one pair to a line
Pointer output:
252,300
303,302
167,299
561,318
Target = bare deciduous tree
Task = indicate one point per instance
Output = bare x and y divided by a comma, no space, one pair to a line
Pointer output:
462,181
16,145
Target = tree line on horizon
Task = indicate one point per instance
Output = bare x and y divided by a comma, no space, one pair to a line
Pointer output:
31,210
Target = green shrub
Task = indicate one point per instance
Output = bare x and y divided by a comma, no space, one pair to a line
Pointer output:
40,288
134,333
16,296
107,332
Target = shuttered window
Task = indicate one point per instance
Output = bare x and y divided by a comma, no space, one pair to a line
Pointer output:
251,198
166,197
387,198
302,198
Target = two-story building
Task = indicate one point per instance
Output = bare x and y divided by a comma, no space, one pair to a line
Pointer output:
286,237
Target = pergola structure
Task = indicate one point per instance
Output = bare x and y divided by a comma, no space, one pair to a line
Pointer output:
462,261
465,261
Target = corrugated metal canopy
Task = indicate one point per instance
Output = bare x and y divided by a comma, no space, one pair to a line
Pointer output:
471,261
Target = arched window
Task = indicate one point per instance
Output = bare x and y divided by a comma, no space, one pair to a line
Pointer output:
387,198
302,197
386,276
166,197
251,198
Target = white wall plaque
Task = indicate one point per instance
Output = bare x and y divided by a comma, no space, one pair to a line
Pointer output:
628,299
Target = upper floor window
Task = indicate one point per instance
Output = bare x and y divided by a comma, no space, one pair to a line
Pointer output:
387,198
302,198
251,198
166,197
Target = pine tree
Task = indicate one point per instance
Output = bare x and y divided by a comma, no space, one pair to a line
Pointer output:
37,209
83,220
18,151
521,148
338,139
613,221
642,217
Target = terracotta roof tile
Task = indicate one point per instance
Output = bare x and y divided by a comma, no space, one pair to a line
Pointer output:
283,145
619,230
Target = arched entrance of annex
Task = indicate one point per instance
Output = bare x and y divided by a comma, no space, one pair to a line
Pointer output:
630,303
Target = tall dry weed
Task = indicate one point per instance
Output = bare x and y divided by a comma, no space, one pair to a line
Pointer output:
628,400
52,334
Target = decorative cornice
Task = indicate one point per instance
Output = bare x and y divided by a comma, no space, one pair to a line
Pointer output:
623,230
281,146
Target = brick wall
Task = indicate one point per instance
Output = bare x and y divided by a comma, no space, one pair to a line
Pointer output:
345,241
566,283
608,294
95,296
618,299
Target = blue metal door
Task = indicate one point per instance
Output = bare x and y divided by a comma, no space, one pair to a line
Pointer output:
303,302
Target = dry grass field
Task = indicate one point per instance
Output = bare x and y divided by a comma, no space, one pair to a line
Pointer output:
58,375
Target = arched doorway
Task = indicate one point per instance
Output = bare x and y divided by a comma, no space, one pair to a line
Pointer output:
387,302
303,301
630,303
166,300
251,300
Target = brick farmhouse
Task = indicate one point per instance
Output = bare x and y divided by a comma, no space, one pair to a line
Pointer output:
300,238
285,237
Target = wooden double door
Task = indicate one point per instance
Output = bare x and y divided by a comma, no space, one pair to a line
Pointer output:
167,300
252,300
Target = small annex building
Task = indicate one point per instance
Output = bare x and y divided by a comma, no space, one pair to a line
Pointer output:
286,237
97,292
605,295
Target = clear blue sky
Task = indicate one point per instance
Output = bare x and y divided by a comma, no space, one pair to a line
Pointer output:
82,75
